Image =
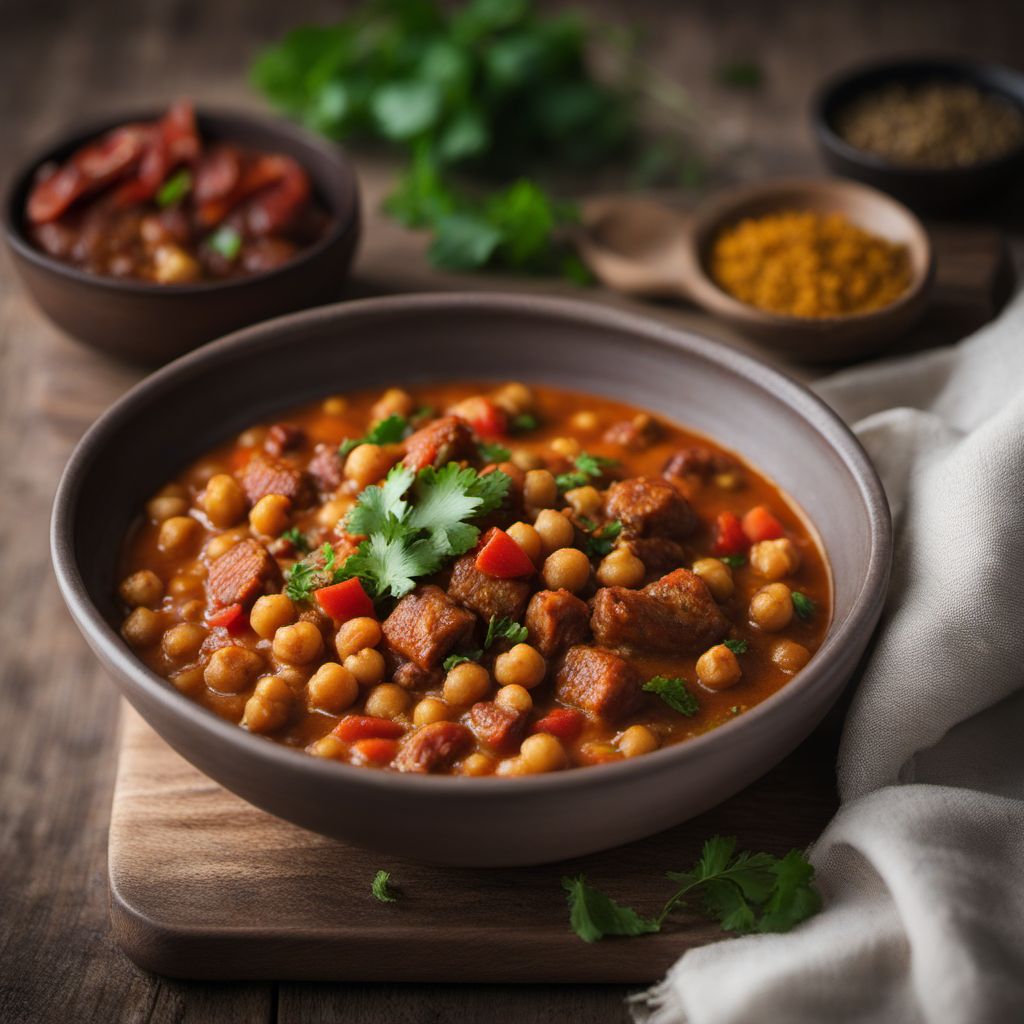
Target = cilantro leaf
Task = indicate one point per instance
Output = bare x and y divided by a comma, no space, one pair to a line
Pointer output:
524,423
737,646
390,430
593,915
298,539
175,188
505,629
226,242
379,887
794,899
603,540
457,659
804,606
379,504
673,691
313,572
733,561
445,498
588,467
389,563
490,452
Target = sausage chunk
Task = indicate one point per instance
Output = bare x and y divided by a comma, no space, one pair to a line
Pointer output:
637,434
282,437
426,625
445,440
326,468
649,507
240,575
598,681
556,620
675,613
497,727
263,475
433,746
699,462
487,596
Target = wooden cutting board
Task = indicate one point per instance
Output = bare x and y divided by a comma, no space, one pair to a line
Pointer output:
202,885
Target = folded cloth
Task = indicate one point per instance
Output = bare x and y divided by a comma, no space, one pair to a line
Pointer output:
922,869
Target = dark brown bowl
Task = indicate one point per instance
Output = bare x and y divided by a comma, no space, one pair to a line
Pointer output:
775,422
153,323
928,190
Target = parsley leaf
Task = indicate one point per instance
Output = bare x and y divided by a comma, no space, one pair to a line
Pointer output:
524,423
490,452
803,605
388,431
737,646
733,561
298,539
379,887
588,467
504,629
673,691
592,914
175,188
602,541
457,659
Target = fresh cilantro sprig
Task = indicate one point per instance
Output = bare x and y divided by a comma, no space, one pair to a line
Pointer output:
390,430
490,452
744,892
298,539
458,659
504,629
600,541
804,606
175,188
733,561
317,570
588,467
737,646
379,887
675,693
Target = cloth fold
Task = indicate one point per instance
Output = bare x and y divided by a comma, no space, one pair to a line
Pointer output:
922,869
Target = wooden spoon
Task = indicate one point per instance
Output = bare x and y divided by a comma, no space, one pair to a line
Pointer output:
642,248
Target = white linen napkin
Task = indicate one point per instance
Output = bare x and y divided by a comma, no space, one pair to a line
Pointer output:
922,869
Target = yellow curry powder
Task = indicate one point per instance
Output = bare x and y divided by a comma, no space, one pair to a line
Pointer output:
803,263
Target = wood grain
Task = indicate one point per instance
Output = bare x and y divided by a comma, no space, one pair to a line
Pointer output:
60,61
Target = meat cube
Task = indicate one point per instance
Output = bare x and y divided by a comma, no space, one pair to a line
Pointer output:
241,574
697,461
556,620
659,554
637,434
425,625
649,507
263,475
599,682
410,676
444,440
433,746
673,614
282,437
486,595
497,727
326,467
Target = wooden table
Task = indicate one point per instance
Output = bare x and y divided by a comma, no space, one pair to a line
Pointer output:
58,714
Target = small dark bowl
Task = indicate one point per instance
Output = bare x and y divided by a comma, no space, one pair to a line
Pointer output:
152,323
928,190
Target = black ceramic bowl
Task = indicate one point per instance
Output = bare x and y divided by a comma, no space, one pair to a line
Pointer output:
775,422
152,323
929,190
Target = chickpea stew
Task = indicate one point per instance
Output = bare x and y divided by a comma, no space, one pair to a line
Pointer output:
156,202
474,580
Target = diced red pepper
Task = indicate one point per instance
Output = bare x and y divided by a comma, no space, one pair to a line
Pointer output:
374,751
232,618
501,557
760,524
344,601
563,723
729,536
487,418
362,727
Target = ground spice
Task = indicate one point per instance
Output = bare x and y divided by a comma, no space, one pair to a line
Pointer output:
808,264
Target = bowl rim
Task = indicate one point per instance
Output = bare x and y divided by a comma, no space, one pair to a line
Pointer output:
989,74
644,331
344,221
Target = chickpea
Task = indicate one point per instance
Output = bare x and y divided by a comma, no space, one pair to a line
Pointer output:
193,610
232,669
528,539
173,265
218,545
298,644
336,405
386,700
330,513
621,568
567,447
636,740
477,764
511,766
252,438
540,489
296,676
465,684
566,569
717,577
367,464
430,710
771,608
143,589
165,506
718,668
356,634
555,530
526,460
269,516
394,402
142,628
270,613
183,641
184,586
328,746
542,753
584,501
514,398
585,419
332,689
515,698
269,706
189,680
366,665
178,535
789,655
522,666
224,501
775,559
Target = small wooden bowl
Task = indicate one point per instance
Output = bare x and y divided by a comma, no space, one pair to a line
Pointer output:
645,249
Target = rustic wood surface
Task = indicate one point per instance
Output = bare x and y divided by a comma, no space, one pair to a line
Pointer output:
60,60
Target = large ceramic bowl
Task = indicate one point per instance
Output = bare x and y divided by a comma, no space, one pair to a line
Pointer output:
181,411
149,323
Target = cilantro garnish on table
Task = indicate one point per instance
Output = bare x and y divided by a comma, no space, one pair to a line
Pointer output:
744,892
390,430
380,887
675,693
588,467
